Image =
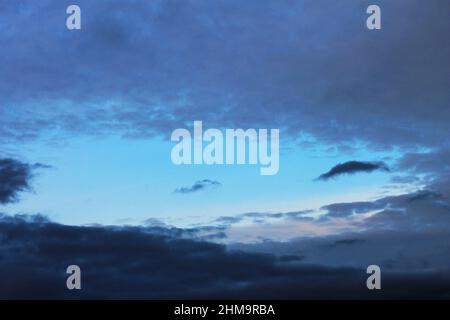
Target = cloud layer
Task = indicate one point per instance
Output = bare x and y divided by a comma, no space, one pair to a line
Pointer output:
146,68
131,262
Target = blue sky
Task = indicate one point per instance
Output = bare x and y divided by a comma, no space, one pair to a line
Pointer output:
103,179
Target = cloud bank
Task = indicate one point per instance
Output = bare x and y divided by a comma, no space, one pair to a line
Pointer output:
132,262
141,69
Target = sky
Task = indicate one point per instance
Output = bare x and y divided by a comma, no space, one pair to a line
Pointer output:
86,118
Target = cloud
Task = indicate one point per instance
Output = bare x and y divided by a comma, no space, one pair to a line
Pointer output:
346,242
346,209
352,167
327,91
134,262
402,233
15,177
198,186
425,211
257,217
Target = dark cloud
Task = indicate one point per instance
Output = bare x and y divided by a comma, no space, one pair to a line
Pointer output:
346,242
431,162
404,233
146,68
431,168
425,195
134,262
198,186
206,232
15,177
352,167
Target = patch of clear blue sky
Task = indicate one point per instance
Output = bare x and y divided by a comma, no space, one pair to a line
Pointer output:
110,180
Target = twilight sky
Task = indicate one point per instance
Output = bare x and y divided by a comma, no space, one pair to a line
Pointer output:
86,118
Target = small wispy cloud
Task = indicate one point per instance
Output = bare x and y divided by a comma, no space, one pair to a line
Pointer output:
198,186
352,167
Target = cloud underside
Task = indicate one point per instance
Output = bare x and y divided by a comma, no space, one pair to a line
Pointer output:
352,167
143,69
131,262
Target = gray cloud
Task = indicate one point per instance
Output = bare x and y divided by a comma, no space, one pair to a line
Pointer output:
346,209
15,177
198,186
404,233
146,68
352,167
257,217
143,264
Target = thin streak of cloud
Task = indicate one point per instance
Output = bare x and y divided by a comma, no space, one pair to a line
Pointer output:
198,186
